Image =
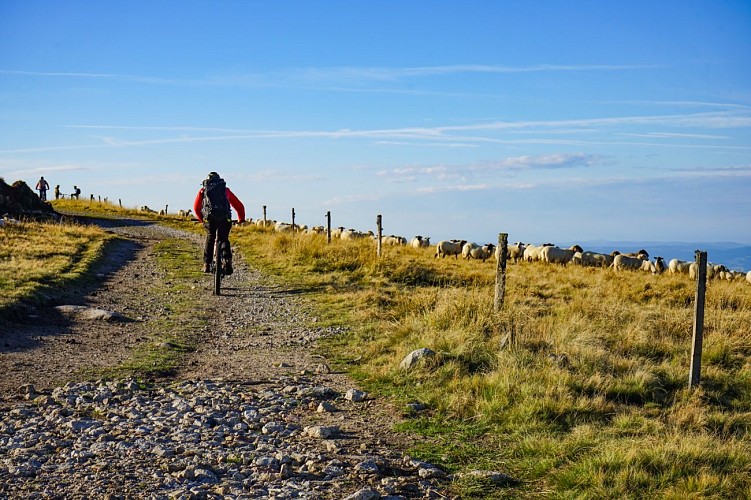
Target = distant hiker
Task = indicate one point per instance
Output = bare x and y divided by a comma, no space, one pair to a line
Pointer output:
76,192
42,187
57,192
212,207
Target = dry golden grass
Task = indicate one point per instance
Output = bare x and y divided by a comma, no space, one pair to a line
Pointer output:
589,398
35,256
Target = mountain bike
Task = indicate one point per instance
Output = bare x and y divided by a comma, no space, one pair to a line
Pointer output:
217,265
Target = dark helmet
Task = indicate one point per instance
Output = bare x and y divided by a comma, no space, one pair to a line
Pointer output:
213,176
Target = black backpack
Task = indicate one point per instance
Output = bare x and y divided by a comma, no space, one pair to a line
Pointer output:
215,203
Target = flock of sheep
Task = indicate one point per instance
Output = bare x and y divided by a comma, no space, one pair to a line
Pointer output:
527,252
547,253
638,261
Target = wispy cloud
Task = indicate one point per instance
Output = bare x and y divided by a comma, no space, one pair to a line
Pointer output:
47,170
414,173
275,176
742,172
551,161
673,135
688,104
97,76
428,144
328,74
393,74
352,198
462,171
718,119
453,136
147,180
456,188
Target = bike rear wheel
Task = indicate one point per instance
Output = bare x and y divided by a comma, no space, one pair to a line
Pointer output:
218,270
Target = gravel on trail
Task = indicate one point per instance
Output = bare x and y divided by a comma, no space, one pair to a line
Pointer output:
252,413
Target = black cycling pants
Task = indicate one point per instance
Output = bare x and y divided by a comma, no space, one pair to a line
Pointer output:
208,250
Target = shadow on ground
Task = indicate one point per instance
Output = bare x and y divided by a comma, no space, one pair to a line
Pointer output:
22,324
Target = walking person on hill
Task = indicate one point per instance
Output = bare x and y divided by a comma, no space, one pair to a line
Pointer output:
212,208
42,187
57,192
76,192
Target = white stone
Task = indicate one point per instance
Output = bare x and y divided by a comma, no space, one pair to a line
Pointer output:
412,358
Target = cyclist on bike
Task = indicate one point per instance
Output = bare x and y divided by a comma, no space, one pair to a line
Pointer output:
212,207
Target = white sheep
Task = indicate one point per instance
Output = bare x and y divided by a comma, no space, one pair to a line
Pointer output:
283,227
475,251
183,213
420,242
449,247
393,240
676,266
267,223
532,252
641,254
555,255
748,277
622,262
515,252
353,234
595,259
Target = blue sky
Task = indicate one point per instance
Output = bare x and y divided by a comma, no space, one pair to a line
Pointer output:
550,120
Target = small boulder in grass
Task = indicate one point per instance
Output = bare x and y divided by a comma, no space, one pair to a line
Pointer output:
494,477
355,396
412,358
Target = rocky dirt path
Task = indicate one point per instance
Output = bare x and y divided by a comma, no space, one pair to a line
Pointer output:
251,413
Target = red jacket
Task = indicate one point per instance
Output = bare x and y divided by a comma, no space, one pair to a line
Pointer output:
233,201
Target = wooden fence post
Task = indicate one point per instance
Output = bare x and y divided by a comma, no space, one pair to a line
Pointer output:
694,374
120,201
500,272
293,220
380,233
328,227
264,216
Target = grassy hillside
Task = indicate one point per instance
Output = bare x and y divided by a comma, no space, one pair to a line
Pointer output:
589,399
37,257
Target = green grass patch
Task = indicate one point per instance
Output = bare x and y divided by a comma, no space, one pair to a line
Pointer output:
177,331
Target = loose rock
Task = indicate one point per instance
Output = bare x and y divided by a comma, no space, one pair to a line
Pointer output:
193,439
412,358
